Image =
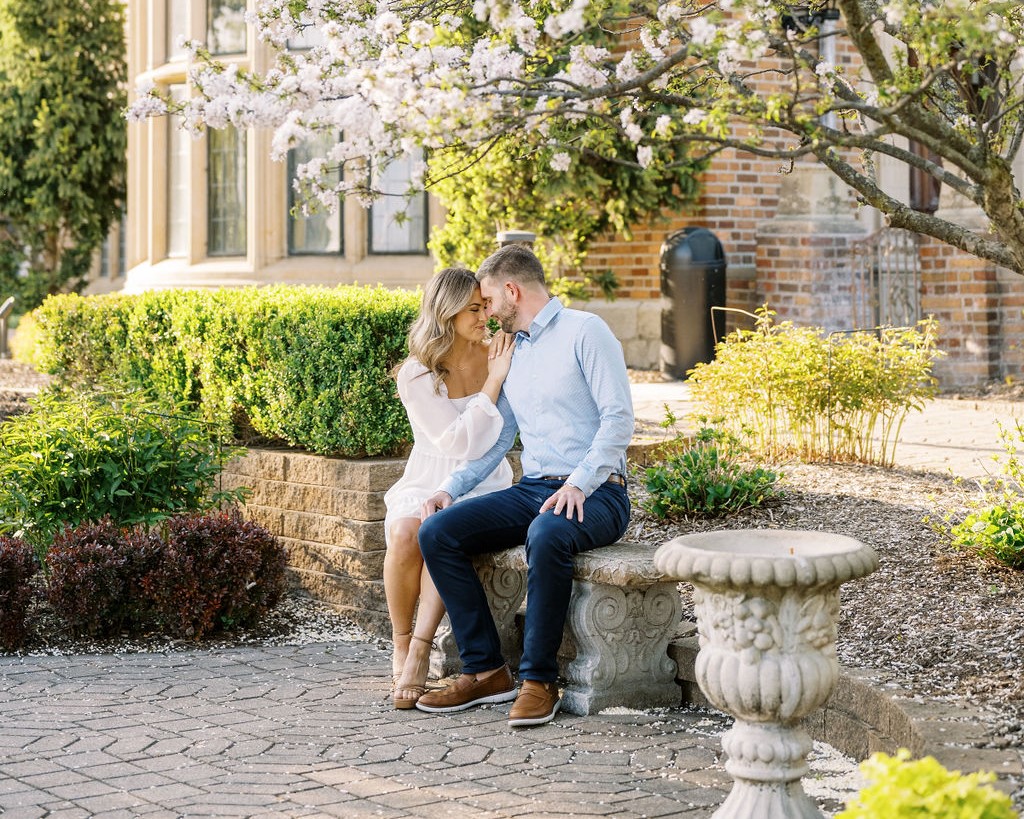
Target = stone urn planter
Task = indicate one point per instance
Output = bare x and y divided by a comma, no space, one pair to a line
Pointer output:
767,603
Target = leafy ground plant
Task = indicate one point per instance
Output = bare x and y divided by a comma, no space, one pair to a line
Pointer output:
791,390
85,457
705,478
902,788
994,524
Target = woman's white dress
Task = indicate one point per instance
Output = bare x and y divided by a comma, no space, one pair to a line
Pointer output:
447,432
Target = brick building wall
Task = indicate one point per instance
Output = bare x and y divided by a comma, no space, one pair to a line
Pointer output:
787,237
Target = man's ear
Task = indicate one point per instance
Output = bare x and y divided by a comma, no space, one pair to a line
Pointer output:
515,292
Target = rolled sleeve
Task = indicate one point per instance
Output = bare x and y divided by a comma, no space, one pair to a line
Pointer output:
466,478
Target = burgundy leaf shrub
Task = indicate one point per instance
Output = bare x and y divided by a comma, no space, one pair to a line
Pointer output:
17,566
98,577
218,571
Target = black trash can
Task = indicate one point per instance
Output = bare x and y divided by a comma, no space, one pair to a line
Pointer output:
692,282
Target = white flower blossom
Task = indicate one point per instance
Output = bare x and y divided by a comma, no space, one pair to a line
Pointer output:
560,162
663,126
702,31
570,21
894,13
669,13
634,133
644,155
420,32
388,26
583,69
626,70
654,49
694,116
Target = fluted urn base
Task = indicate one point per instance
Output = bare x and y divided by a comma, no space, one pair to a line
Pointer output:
764,800
766,761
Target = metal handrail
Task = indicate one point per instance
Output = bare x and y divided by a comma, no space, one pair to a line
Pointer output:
5,311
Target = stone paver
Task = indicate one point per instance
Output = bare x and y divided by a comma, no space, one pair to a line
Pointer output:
309,731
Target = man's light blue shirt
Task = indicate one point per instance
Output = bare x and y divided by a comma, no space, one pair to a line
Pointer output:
567,394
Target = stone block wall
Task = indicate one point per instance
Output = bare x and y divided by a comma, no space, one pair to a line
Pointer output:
805,272
636,324
329,514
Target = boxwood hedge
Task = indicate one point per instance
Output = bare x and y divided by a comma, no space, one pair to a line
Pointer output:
306,366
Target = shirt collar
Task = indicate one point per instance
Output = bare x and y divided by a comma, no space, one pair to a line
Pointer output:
543,318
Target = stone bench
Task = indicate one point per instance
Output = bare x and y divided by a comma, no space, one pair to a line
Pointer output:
622,615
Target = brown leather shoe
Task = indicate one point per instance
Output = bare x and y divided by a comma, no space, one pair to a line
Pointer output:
468,691
537,703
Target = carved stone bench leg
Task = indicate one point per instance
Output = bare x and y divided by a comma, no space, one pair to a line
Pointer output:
506,589
621,636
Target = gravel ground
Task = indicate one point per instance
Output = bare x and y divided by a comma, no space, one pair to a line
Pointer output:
939,623
935,621
17,383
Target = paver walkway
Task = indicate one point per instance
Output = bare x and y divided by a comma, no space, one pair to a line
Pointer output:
307,731
958,435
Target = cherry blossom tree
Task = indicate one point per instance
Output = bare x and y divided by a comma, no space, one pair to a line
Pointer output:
933,84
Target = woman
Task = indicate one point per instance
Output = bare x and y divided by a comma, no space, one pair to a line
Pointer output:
449,388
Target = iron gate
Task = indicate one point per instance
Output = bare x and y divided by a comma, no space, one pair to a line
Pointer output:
887,279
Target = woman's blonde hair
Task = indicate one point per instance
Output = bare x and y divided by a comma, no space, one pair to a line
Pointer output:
432,335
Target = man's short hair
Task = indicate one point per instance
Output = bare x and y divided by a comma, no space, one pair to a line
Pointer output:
512,262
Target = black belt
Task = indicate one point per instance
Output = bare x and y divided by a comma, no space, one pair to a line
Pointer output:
615,477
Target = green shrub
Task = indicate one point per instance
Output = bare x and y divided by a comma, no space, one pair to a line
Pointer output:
704,479
97,575
17,566
994,524
78,458
319,367
77,339
923,789
796,391
218,571
307,366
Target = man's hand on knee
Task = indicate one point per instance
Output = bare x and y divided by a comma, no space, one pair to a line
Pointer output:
568,498
435,503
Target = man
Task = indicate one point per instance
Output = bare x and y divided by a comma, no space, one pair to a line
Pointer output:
567,395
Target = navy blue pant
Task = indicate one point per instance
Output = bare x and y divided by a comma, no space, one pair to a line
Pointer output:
502,520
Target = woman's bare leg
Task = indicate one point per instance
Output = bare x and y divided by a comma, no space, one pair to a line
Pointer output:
412,681
403,566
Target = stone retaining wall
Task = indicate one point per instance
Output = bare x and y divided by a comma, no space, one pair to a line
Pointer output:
329,514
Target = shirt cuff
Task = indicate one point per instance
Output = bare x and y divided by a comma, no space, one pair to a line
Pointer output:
584,481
